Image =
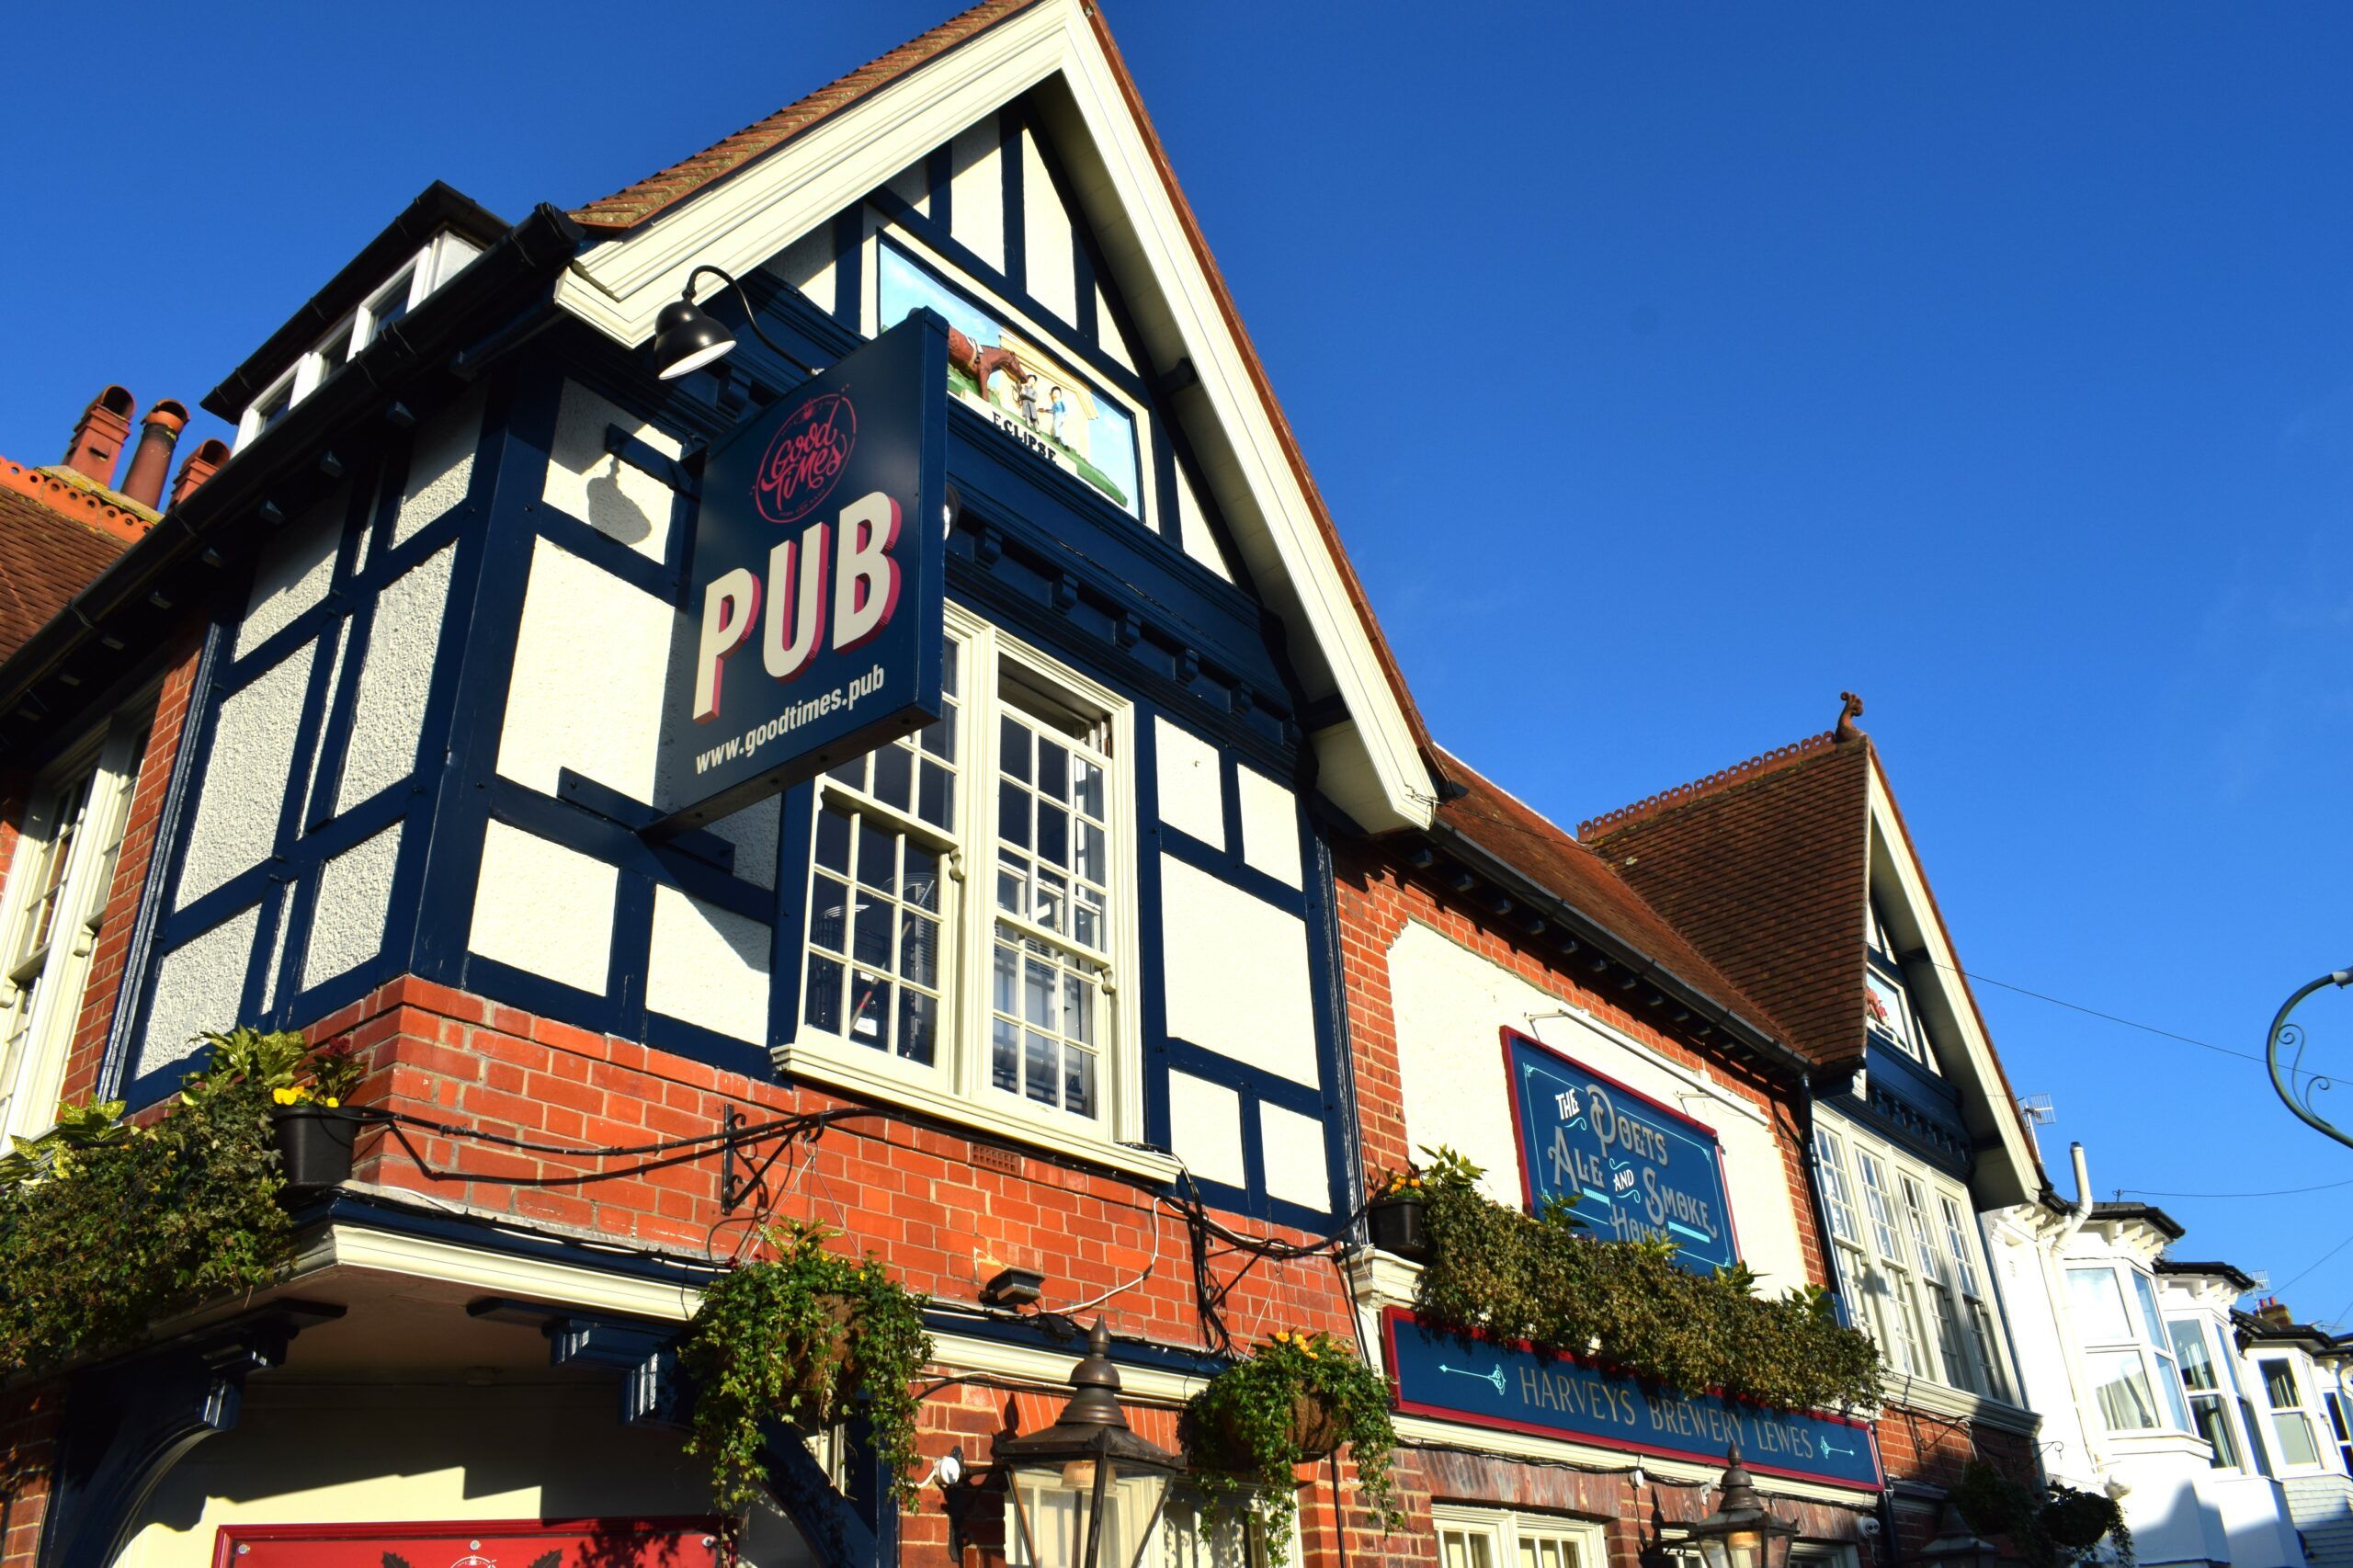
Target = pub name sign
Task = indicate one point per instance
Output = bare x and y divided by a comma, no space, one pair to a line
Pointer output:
1631,1167
811,626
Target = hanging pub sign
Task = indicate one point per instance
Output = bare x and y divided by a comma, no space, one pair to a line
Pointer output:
1629,1166
1514,1387
812,626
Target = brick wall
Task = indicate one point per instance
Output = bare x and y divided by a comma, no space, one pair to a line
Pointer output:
28,1424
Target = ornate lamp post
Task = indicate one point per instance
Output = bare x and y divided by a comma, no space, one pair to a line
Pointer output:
1087,1491
1958,1546
1743,1532
2291,1036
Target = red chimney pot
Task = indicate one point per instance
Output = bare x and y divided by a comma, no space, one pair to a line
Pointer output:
100,435
158,433
201,464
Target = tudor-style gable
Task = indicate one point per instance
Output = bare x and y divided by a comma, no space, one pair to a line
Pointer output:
746,201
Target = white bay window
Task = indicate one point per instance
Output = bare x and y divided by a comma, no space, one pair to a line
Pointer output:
970,904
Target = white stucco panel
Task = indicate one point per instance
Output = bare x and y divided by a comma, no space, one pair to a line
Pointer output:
1297,1171
395,680
1046,236
282,901
808,265
1237,974
1192,798
243,780
911,185
354,897
753,831
1205,1128
1450,1007
440,466
1269,825
594,485
197,987
708,967
1194,526
541,907
586,693
295,569
1106,331
976,191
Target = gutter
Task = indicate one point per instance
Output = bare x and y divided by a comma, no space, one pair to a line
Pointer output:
1751,1036
526,259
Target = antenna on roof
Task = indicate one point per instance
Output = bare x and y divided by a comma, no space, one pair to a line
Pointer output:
2036,1109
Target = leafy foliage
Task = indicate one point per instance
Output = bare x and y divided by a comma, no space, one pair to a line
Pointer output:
802,1335
1627,1304
107,1226
2052,1526
1243,1425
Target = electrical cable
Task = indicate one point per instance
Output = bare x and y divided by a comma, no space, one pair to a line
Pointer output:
2316,1263
2281,1192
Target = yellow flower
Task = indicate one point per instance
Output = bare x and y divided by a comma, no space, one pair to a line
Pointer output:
283,1096
334,1104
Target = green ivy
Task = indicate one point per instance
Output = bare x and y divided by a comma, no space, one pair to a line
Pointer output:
1627,1304
801,1336
107,1226
2052,1526
1242,1427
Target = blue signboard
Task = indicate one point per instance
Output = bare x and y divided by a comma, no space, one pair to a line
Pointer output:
1521,1390
811,627
1626,1163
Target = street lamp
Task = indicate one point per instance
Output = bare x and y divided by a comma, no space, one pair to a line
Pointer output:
2284,1033
1743,1532
1087,1491
1958,1546
687,338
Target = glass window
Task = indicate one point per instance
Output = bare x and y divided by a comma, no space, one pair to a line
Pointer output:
2335,1402
917,913
390,305
1495,1538
2289,1424
2210,1412
2122,1385
2100,1305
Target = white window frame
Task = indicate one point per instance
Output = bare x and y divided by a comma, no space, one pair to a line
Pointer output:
1888,1293
1503,1529
434,264
2305,1409
2161,1379
956,1085
42,991
2224,1395
1905,1031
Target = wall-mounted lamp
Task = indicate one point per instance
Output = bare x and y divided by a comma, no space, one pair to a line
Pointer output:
1087,1476
685,337
1743,1532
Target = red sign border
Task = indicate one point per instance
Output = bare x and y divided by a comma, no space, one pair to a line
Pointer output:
224,1550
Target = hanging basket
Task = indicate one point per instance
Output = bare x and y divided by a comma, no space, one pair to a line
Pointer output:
1314,1425
831,1374
313,1145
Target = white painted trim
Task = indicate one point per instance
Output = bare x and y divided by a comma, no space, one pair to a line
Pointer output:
1985,1075
1373,769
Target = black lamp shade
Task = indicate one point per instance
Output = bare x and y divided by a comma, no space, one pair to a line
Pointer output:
685,338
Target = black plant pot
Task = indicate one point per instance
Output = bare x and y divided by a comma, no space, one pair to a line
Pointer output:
313,1144
1397,1226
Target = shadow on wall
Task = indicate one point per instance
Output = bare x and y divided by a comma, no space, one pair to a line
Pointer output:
327,1453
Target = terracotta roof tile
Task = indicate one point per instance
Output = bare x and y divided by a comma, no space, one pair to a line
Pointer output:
1514,834
633,205
1766,868
57,532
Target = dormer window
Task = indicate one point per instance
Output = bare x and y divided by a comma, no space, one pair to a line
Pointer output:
430,268
1887,1001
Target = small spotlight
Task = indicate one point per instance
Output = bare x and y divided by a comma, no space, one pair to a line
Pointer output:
1013,1288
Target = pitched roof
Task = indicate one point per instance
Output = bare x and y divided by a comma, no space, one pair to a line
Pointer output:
1514,834
57,532
640,203
656,194
1766,867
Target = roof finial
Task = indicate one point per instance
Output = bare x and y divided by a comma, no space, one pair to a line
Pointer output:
1850,708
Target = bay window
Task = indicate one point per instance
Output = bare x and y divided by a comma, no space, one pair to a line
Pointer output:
53,907
2291,1421
970,903
2210,1406
1908,1261
2130,1373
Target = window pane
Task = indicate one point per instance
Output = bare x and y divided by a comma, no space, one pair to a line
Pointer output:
852,773
2253,1430
821,1007
2147,1297
1012,813
1086,788
936,805
2169,1386
2124,1389
1004,1057
1038,1069
869,1009
2190,1352
828,913
2212,1422
1013,749
1037,993
1053,833
1883,1209
1091,852
923,877
2100,1306
832,840
2295,1434
878,858
895,776
2279,1385
1078,1081
872,933
919,1026
919,950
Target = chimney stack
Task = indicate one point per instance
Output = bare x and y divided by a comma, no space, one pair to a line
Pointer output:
159,432
2274,1312
200,465
100,436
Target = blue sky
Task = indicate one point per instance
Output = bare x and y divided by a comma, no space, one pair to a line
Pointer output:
1668,369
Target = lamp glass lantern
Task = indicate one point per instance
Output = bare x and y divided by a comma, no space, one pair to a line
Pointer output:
1741,1532
1956,1545
1087,1492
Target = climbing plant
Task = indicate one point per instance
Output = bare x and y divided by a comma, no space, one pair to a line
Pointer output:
1540,1277
108,1225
